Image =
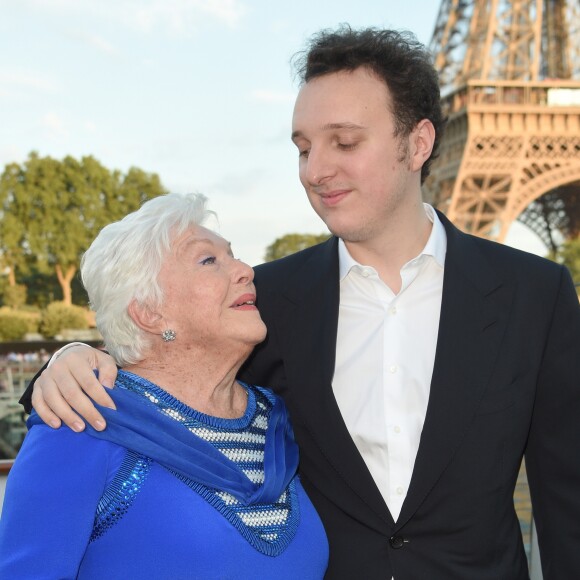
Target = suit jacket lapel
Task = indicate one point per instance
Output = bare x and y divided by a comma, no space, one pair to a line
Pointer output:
474,312
307,327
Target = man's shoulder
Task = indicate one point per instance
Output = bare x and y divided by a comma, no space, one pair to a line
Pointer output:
521,259
506,258
292,265
488,264
465,246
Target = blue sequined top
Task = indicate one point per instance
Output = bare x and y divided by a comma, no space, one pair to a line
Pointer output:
80,507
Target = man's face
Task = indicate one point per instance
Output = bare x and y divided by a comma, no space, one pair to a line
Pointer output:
356,173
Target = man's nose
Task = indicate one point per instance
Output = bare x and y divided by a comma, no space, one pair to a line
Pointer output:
319,167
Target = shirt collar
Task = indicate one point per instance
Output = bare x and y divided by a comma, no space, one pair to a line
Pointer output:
435,247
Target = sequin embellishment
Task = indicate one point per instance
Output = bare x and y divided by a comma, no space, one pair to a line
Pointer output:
120,493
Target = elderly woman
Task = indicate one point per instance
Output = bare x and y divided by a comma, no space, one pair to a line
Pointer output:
195,475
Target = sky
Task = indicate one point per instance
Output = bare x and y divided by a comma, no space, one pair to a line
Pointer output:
198,91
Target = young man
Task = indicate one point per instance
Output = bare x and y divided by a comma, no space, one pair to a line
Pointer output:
419,363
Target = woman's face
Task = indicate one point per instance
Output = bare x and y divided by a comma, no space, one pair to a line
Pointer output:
209,296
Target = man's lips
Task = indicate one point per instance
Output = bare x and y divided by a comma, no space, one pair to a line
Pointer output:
245,302
332,198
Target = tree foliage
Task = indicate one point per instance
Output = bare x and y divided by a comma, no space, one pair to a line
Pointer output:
14,324
57,316
44,288
52,210
15,296
569,255
292,243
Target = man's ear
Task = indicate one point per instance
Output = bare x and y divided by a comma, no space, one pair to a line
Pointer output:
145,317
422,141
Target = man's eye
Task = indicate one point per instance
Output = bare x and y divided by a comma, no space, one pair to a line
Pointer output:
346,146
208,261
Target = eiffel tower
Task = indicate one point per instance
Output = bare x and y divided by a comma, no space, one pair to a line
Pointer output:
510,79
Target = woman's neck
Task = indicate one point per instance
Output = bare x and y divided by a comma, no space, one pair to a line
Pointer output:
206,385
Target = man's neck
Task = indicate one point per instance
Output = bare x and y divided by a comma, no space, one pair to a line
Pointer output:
400,242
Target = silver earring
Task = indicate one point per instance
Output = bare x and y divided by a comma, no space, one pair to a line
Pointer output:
168,335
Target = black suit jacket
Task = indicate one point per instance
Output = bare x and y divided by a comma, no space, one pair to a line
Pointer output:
506,381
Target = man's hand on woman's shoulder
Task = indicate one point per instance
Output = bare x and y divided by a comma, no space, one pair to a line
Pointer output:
69,383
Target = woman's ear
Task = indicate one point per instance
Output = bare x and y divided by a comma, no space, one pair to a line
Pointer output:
145,317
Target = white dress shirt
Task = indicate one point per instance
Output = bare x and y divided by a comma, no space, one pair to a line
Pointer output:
384,360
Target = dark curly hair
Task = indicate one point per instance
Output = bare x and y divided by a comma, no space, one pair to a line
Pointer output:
397,58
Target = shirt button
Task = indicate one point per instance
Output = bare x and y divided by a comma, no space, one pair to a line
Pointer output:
393,369
393,310
397,429
400,490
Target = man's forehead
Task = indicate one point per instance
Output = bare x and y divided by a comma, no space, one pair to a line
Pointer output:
339,91
351,112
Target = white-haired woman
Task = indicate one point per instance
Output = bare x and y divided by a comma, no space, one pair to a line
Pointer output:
195,475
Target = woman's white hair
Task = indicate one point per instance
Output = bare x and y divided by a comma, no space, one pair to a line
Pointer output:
123,264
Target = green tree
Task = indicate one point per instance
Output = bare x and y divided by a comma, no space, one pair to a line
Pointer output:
52,210
43,288
57,316
15,296
292,243
14,324
14,250
569,255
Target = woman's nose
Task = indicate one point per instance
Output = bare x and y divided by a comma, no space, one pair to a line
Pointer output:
243,273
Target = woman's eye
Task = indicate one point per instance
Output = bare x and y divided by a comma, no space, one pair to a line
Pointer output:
208,261
347,146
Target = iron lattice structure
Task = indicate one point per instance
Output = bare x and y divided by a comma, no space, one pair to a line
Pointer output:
509,73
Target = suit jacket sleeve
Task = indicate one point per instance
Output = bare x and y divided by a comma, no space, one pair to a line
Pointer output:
26,399
553,450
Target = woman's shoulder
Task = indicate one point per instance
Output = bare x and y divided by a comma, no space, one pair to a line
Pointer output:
64,450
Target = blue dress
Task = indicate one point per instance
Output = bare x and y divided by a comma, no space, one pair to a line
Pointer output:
222,501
